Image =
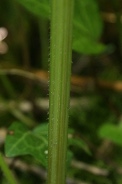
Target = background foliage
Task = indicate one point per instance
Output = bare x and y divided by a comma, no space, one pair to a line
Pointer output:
95,131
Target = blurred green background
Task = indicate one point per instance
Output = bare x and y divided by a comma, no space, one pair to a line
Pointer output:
96,86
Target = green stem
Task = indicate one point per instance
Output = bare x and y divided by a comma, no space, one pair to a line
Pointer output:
7,172
60,71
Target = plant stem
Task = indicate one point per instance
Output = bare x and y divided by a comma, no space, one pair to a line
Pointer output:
8,174
60,71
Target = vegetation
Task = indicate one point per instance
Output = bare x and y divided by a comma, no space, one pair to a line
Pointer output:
27,53
60,72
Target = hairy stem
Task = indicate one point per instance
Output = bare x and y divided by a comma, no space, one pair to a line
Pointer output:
60,71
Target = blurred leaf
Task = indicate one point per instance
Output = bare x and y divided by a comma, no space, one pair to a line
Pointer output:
88,27
79,143
40,8
43,128
88,20
69,158
87,23
86,46
21,141
111,132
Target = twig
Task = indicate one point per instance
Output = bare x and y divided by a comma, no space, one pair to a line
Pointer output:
92,169
39,171
43,103
32,76
78,83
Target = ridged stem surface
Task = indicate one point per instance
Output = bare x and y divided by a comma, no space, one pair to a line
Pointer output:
60,71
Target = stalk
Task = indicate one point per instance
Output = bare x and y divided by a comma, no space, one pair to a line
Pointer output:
60,71
7,172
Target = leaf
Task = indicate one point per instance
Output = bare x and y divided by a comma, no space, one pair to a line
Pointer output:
43,128
23,142
69,158
87,23
88,27
87,18
40,8
87,46
79,143
111,132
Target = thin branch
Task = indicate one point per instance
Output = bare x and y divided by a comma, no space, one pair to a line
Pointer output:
78,83
26,74
38,170
92,169
41,103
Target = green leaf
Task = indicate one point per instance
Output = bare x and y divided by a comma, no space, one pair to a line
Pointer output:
88,27
40,8
112,133
43,128
74,141
87,18
22,142
79,143
87,23
69,158
86,46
